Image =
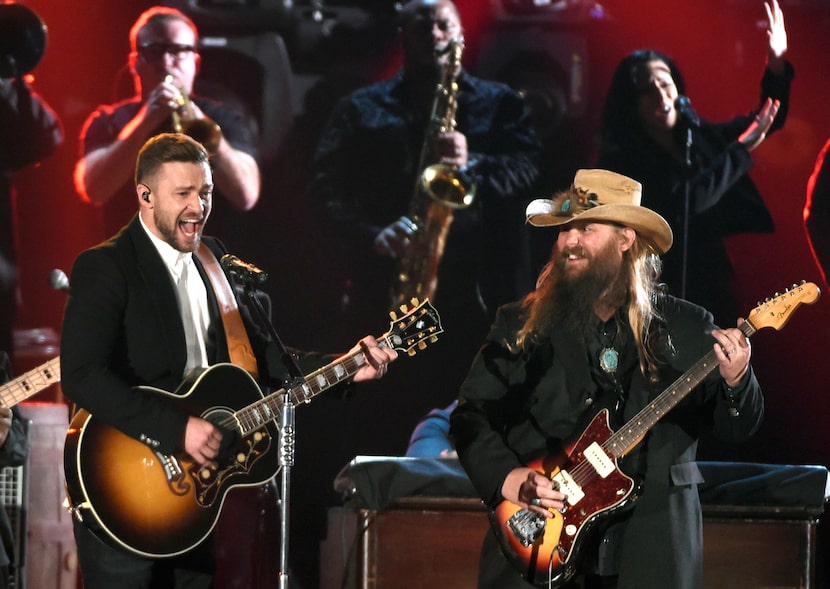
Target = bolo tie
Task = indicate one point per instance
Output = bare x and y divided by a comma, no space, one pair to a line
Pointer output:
609,361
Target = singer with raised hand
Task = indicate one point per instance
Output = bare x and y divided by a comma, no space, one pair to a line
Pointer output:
695,172
151,307
164,61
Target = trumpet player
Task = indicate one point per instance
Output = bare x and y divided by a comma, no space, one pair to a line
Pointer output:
164,61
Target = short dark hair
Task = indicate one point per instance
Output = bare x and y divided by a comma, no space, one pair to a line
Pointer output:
167,147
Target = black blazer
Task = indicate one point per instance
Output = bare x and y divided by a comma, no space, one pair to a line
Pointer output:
513,405
122,328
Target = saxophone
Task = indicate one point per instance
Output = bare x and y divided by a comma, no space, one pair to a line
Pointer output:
439,190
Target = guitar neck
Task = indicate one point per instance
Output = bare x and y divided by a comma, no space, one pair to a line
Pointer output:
30,383
269,407
621,442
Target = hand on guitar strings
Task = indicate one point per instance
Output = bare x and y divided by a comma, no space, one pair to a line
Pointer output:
377,359
533,491
202,440
733,351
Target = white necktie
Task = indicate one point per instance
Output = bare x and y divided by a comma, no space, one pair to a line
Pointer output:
196,355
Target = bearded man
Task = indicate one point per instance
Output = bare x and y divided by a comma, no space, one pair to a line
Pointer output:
598,332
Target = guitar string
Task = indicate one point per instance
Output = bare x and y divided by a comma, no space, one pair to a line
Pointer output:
689,377
584,472
249,416
273,402
34,380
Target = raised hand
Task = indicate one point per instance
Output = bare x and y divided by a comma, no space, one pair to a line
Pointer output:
755,134
777,32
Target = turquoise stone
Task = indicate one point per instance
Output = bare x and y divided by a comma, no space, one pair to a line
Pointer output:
609,359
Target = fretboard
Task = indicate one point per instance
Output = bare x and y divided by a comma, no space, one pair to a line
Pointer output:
627,436
267,409
30,383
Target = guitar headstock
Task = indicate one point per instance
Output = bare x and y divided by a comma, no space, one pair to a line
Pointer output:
777,310
420,326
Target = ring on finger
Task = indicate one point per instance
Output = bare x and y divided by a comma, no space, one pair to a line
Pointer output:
536,501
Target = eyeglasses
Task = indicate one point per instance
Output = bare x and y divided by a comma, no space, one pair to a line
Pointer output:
157,51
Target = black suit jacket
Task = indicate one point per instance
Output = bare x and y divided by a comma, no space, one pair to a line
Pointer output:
514,405
122,328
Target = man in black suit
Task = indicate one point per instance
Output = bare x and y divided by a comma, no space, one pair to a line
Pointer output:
125,325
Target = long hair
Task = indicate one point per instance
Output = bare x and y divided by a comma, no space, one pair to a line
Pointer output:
642,271
621,126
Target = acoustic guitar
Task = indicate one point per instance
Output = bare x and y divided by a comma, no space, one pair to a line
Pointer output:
159,505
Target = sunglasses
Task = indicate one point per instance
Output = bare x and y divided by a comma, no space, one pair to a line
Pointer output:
156,51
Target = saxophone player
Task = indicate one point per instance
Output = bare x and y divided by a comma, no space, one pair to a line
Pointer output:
385,127
366,167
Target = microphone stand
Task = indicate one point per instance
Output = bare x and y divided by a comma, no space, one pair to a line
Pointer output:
287,439
684,252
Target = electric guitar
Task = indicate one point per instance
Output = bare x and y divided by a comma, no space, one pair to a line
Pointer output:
158,505
546,551
30,383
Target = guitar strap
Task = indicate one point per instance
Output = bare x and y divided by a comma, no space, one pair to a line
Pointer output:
239,346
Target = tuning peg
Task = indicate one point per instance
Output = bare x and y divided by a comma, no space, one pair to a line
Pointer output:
403,308
393,316
433,339
411,352
415,302
422,345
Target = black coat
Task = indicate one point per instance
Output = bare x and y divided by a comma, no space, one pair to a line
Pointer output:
367,165
122,328
515,405
723,199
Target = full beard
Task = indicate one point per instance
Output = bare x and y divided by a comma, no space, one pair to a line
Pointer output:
571,299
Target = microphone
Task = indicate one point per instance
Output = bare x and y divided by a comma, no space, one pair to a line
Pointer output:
58,280
243,270
685,111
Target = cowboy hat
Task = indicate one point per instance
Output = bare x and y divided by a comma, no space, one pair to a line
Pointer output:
607,197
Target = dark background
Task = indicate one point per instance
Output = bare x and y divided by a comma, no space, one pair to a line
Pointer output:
563,58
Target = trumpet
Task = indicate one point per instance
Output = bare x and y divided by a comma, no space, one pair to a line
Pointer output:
205,131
